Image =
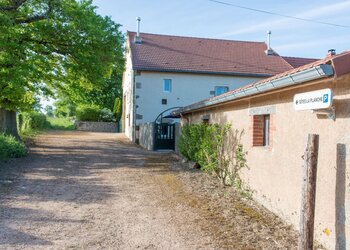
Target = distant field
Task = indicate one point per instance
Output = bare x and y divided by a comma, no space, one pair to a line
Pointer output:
60,123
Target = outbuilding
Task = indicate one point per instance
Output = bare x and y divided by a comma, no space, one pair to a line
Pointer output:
276,115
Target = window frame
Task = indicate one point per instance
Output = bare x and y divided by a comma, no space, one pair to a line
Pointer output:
261,130
218,87
165,81
266,130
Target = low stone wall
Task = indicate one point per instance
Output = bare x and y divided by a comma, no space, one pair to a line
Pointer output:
146,135
110,127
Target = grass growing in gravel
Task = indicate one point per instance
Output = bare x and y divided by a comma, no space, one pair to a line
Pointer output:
11,148
60,123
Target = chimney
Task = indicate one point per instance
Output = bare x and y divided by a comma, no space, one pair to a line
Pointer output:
269,51
331,52
138,36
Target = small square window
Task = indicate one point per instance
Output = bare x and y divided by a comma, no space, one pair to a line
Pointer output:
220,90
164,101
167,85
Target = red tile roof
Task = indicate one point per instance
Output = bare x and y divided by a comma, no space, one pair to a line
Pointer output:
202,55
297,62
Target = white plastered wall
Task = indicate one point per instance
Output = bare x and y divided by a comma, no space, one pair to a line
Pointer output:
128,99
186,89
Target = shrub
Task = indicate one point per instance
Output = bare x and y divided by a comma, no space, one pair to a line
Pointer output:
32,121
11,148
93,113
106,115
190,140
88,113
117,110
216,148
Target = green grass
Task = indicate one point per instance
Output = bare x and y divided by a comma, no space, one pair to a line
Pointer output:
60,123
11,148
53,123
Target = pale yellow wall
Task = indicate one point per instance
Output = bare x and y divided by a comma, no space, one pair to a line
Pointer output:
275,174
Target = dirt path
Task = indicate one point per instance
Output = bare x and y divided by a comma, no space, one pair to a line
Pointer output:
81,190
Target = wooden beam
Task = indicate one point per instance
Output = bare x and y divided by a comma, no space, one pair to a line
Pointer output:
307,215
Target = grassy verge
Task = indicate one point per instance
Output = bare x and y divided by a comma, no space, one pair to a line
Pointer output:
53,123
11,148
60,123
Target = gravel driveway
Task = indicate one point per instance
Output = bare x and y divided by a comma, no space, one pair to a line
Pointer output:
80,190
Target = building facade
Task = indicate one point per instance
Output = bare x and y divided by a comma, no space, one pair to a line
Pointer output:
275,137
164,72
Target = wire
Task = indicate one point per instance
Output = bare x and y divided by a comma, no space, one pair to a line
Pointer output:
281,15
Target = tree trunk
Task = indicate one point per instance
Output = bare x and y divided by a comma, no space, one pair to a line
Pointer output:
8,122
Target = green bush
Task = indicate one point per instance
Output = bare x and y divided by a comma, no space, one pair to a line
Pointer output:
215,148
88,113
117,110
32,121
93,113
190,140
106,115
11,148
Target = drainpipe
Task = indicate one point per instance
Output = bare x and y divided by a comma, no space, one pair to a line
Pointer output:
134,107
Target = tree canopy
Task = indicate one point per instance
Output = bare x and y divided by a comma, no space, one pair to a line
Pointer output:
57,46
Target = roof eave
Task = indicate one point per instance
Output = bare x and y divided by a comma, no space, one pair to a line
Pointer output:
295,78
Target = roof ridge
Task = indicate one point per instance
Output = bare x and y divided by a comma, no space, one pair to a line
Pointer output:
195,37
299,57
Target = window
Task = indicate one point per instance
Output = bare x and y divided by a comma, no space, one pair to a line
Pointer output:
167,85
220,90
266,141
261,130
164,101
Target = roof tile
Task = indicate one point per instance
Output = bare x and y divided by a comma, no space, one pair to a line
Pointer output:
297,62
203,55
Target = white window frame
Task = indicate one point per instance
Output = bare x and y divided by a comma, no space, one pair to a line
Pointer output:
170,81
266,130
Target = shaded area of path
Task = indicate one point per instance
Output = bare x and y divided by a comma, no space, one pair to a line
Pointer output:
82,190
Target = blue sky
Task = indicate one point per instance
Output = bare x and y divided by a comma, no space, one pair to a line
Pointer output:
203,18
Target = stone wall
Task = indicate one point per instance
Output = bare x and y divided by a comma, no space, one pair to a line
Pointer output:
110,127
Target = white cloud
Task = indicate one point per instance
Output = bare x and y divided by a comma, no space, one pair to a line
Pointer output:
279,23
324,45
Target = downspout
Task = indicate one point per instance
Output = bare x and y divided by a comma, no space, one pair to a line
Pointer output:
134,107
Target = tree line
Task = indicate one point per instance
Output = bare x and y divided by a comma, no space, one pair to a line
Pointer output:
57,48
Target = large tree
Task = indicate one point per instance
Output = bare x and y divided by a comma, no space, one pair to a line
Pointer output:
52,45
103,95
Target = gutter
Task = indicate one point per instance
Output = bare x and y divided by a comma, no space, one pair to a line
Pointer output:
295,78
